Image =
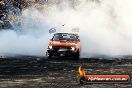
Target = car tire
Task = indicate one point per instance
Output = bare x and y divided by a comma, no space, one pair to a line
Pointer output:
50,56
76,55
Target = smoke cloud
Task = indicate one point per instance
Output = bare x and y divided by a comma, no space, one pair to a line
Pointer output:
105,27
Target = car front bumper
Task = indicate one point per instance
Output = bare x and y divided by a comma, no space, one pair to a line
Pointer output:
60,52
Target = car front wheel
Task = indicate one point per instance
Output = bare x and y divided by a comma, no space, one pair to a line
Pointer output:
76,55
50,56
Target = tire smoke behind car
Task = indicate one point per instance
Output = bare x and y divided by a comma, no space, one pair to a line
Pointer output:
105,27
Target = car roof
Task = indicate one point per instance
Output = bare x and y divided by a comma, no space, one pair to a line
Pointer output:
66,33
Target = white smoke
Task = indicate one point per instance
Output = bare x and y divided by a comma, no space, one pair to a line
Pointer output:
105,27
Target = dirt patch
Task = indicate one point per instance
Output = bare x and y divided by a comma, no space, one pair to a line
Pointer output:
25,72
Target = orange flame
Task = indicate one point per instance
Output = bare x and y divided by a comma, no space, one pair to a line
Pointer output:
81,71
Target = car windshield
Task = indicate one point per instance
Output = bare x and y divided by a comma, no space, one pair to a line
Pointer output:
65,36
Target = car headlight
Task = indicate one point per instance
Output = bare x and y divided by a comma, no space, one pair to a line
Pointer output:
50,47
73,48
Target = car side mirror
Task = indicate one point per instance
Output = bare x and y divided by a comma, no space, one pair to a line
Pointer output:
78,38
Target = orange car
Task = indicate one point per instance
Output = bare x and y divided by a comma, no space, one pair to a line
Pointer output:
64,44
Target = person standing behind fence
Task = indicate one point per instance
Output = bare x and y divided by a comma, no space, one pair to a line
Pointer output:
9,5
2,17
2,5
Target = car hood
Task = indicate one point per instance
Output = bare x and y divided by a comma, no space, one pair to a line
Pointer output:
63,43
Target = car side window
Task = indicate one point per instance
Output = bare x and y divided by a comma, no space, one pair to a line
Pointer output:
56,37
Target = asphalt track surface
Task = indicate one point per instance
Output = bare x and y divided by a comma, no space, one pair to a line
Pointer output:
39,72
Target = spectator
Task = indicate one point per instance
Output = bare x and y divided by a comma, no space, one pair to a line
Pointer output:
12,2
2,16
2,4
18,4
1,20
